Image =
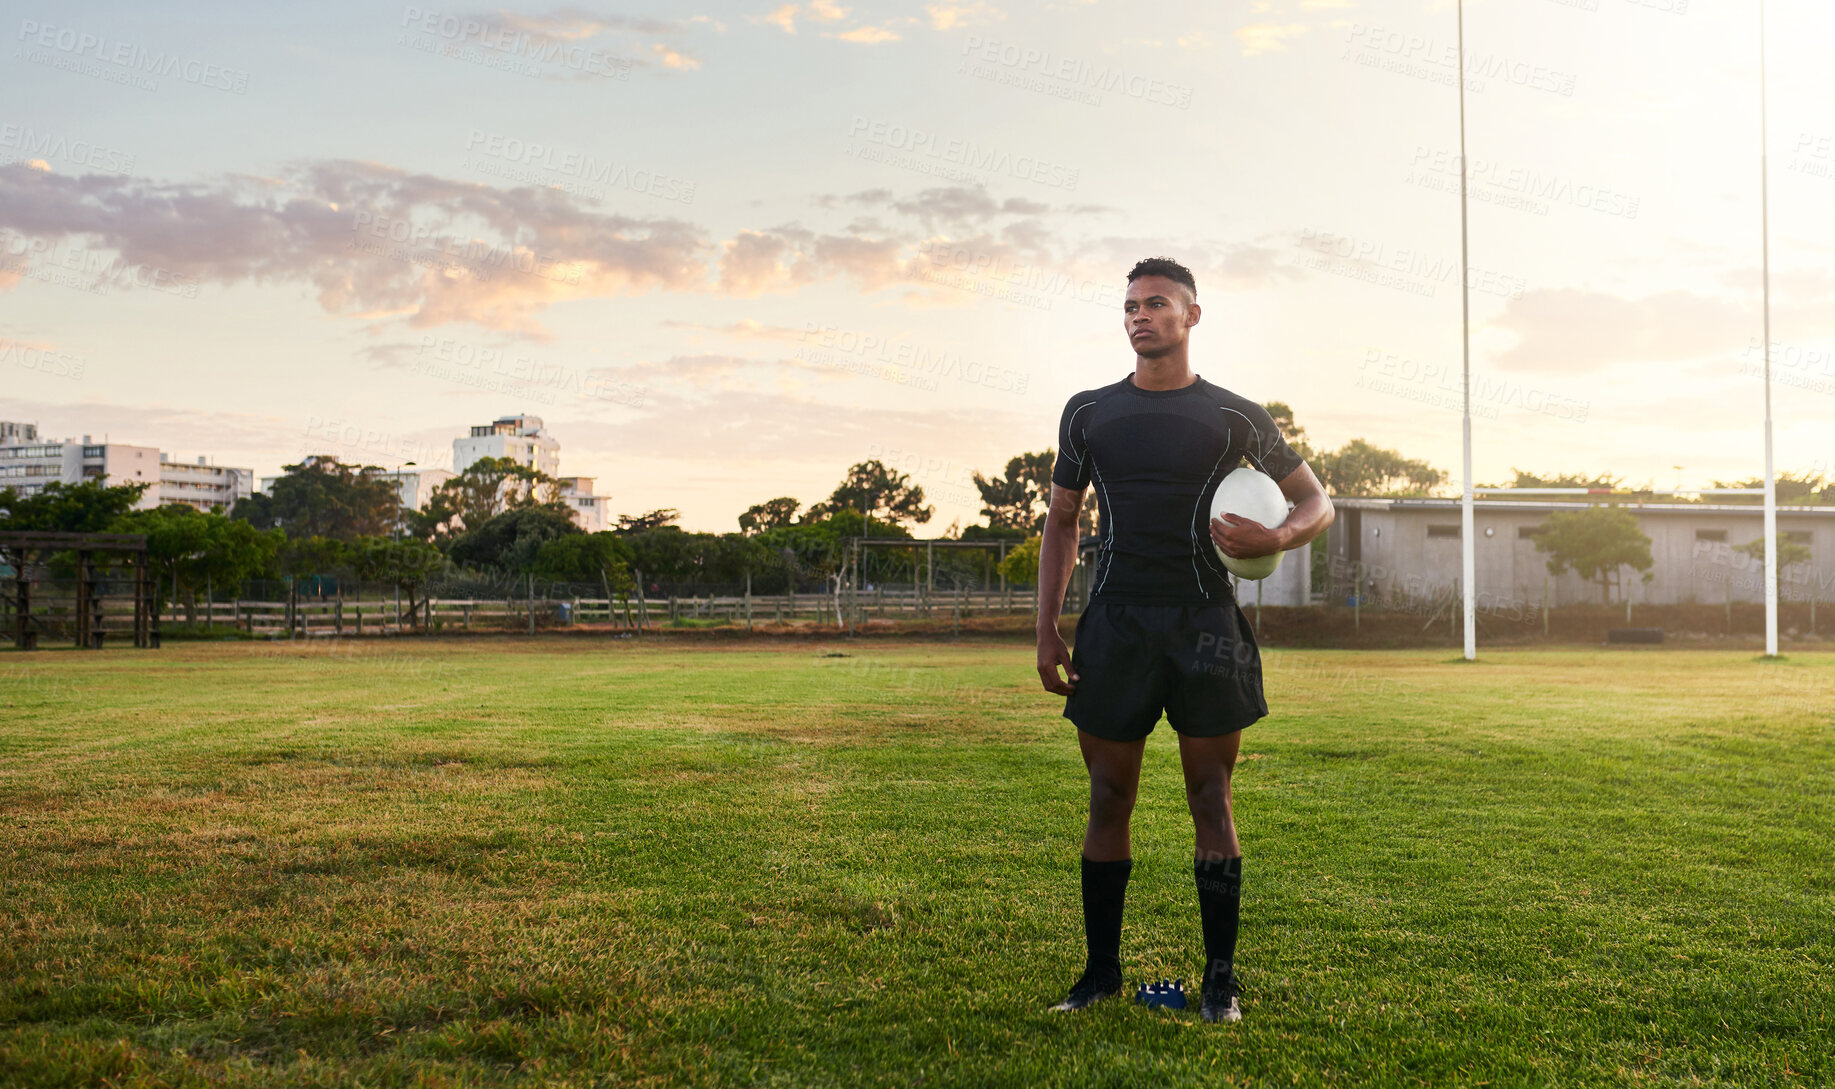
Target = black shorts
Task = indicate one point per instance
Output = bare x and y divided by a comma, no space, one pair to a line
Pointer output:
1197,663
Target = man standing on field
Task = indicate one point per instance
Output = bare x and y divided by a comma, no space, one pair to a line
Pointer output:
1162,632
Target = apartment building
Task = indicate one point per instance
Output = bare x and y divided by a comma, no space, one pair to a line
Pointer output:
28,462
522,439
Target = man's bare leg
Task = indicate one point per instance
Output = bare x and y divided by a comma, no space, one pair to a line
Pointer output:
1209,763
1114,770
1115,773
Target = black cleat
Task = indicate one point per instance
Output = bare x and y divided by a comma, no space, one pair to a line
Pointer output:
1221,992
1092,987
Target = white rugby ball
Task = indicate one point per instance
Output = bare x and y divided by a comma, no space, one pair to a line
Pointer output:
1252,494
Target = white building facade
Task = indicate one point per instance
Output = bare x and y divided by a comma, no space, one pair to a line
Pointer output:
524,440
590,511
519,438
28,462
416,485
203,485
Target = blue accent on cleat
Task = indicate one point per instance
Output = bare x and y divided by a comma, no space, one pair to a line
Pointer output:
1166,994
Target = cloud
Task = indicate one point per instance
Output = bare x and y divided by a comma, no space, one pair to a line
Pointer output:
394,247
962,204
743,329
672,58
758,261
949,16
374,241
1571,330
878,197
573,24
817,11
788,257
1262,38
866,35
784,17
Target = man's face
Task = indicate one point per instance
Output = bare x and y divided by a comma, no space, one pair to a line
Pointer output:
1158,314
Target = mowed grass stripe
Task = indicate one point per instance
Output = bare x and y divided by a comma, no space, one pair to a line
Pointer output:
503,861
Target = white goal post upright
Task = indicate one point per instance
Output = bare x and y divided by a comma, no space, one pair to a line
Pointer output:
1771,484
1468,548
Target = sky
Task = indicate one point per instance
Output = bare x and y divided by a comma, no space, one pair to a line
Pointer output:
726,251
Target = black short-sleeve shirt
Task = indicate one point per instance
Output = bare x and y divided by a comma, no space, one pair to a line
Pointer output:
1154,458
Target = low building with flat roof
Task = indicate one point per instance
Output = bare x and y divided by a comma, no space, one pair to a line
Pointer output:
1409,550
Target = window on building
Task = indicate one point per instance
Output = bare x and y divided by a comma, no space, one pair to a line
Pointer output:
1710,535
1801,536
1527,533
1443,531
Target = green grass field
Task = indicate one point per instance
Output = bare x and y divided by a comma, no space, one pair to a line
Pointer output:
579,862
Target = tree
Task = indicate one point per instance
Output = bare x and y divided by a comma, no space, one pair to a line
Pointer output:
818,549
510,541
1565,480
1597,543
302,556
235,552
730,557
661,553
656,519
437,520
991,533
1790,553
872,489
1357,467
1805,487
324,497
192,550
1021,563
490,486
1018,499
408,564
584,557
1360,468
89,507
768,515
1290,430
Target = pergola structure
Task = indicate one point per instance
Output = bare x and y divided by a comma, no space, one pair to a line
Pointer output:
24,550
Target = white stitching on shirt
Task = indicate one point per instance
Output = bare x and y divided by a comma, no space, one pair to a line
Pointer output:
1105,546
1196,550
1071,424
1255,456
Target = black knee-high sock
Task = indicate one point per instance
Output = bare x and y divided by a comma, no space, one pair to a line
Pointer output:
1105,887
1220,907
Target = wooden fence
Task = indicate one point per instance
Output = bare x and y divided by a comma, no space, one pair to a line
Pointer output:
381,617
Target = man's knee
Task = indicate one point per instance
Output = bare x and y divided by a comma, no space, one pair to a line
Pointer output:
1208,798
1111,800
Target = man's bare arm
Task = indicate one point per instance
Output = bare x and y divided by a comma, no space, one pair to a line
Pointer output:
1058,552
1057,558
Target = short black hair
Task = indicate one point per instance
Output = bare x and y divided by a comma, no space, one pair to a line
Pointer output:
1167,267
